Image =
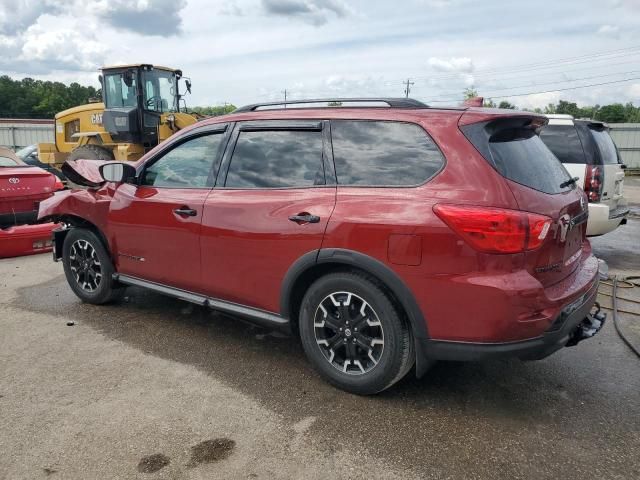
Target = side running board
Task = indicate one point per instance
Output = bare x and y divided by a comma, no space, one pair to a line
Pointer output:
254,315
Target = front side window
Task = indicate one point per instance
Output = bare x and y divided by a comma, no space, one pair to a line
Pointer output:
186,166
276,159
564,142
120,90
383,153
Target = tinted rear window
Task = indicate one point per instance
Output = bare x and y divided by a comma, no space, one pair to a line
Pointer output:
564,142
519,155
383,153
605,144
8,162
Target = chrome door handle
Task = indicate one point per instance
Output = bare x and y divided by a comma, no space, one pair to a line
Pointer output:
186,211
304,218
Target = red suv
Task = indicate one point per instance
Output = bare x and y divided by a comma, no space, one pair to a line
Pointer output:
384,236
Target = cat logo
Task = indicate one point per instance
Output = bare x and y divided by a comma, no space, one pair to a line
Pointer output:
96,118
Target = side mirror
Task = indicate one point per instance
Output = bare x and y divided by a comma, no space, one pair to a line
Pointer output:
100,79
117,172
188,84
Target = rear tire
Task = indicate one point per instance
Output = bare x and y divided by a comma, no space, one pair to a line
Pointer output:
88,267
353,334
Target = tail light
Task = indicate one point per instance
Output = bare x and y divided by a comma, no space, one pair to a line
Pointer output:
593,183
58,185
495,230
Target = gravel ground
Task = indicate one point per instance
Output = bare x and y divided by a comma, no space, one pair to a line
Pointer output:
157,388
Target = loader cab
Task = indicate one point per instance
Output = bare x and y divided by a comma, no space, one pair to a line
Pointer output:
135,98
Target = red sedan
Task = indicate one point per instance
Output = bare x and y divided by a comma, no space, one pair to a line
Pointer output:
22,188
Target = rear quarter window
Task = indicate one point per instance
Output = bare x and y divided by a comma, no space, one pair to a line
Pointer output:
607,148
383,153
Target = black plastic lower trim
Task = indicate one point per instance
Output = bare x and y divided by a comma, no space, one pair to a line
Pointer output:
18,218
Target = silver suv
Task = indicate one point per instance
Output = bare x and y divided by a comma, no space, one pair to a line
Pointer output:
587,151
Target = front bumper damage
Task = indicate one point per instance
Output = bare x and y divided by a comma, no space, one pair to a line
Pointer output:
26,240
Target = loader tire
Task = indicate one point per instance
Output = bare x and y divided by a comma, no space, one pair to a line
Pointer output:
90,152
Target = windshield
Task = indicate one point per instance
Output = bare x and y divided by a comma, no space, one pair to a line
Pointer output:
160,91
26,151
120,90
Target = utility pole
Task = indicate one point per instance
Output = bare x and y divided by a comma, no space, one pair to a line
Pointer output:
285,97
407,89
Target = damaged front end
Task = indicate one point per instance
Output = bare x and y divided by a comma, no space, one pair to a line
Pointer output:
85,173
78,207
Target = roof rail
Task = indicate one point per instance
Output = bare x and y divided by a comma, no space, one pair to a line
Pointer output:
391,102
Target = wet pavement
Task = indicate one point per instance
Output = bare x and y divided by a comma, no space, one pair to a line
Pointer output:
157,388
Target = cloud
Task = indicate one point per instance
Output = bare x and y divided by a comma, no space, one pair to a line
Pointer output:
42,49
18,15
453,64
316,12
609,31
146,17
438,3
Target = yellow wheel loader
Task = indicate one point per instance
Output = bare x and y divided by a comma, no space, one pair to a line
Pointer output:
140,108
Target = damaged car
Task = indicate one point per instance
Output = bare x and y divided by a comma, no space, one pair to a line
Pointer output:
22,188
385,237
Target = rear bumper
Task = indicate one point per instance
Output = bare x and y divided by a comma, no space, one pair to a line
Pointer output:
604,219
566,329
26,240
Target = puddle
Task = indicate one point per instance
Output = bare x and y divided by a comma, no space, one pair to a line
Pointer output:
211,451
153,463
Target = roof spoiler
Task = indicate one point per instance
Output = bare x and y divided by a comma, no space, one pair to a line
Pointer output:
473,102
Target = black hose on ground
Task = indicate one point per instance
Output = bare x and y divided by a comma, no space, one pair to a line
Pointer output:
615,313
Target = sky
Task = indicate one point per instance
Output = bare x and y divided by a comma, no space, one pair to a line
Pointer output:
248,51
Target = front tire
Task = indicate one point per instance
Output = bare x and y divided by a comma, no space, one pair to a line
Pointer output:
88,267
353,334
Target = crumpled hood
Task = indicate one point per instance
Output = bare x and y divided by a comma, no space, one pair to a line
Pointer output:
84,172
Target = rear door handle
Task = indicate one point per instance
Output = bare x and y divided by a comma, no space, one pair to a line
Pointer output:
304,217
186,211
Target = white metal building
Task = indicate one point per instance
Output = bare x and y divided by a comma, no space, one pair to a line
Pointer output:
626,136
16,133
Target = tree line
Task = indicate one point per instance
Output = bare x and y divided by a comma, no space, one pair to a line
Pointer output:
29,98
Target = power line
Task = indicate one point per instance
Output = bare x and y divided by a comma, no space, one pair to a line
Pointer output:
545,91
595,57
545,83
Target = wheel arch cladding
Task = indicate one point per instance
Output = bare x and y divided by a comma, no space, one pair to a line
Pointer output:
78,222
316,263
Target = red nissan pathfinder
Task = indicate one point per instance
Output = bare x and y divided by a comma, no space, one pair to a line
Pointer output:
383,233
